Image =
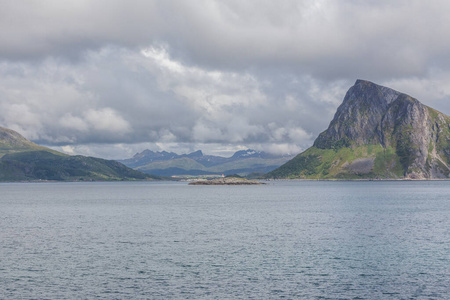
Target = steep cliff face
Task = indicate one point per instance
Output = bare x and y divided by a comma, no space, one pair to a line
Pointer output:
420,136
358,117
378,132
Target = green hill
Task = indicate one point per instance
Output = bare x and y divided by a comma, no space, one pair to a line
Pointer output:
13,142
23,160
377,133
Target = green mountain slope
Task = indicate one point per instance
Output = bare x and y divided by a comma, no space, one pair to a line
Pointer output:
13,142
252,163
22,160
377,133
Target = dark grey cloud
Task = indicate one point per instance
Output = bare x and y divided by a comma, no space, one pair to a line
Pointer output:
110,77
329,39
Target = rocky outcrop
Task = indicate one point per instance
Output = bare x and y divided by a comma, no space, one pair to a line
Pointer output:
414,136
358,117
226,181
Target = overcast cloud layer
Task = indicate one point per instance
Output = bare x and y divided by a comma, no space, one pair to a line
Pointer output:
111,78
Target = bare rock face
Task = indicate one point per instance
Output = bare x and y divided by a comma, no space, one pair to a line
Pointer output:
413,140
412,129
361,165
372,114
358,117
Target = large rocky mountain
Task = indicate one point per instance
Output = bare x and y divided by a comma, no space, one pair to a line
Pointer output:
242,162
377,133
23,160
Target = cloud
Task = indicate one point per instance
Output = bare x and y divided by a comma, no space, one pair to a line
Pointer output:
328,39
109,74
123,96
75,123
432,90
106,119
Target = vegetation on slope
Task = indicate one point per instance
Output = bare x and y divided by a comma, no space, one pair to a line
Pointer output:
23,160
44,165
359,162
12,142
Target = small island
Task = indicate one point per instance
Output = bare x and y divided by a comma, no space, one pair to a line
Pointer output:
226,181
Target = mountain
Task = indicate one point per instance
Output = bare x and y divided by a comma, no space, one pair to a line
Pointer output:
147,156
377,133
196,163
12,142
23,160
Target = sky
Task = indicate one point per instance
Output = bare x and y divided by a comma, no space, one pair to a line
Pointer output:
110,78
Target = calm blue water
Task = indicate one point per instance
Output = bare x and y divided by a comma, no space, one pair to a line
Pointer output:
286,240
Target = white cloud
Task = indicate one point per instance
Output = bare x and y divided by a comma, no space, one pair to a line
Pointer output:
298,135
432,90
161,57
229,74
71,122
106,119
68,150
202,132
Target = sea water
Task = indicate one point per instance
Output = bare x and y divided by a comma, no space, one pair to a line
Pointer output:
284,240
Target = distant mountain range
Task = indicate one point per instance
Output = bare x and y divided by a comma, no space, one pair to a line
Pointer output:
377,133
23,160
242,162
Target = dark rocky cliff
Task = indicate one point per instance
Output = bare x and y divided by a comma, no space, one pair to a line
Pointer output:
384,121
358,117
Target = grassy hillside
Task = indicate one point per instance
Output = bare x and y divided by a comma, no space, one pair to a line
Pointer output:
44,165
12,142
23,160
362,162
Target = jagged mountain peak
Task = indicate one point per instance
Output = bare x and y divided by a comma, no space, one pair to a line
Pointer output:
195,154
358,118
368,91
246,153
